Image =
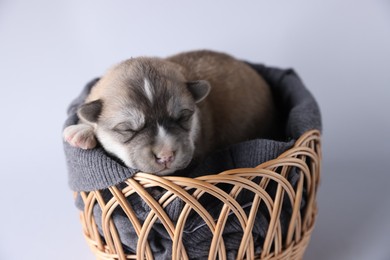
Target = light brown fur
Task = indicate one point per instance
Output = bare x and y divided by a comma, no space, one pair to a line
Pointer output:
239,106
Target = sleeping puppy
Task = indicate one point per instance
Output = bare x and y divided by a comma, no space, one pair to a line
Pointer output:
156,115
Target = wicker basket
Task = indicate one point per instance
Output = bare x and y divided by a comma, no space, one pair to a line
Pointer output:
271,208
304,158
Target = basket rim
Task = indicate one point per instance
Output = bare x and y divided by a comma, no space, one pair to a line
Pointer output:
297,144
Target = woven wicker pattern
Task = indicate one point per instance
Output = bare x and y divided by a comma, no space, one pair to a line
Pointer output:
304,157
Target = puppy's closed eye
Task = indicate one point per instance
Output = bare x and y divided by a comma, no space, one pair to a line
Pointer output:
125,128
127,131
185,115
183,119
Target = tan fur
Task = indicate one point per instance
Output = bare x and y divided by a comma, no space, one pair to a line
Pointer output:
240,104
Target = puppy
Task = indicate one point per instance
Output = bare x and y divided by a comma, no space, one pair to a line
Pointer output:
156,115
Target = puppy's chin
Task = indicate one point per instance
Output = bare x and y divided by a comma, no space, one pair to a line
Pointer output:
165,172
149,166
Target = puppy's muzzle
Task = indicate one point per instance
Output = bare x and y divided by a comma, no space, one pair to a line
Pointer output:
165,158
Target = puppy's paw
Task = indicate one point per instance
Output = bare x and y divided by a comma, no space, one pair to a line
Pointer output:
81,136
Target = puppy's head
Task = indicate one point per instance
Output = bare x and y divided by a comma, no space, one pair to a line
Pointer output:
144,112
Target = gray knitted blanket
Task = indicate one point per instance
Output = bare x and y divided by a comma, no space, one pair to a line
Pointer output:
96,170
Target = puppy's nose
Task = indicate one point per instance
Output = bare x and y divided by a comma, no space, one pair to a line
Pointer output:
165,157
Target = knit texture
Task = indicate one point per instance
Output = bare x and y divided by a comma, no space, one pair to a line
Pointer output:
96,170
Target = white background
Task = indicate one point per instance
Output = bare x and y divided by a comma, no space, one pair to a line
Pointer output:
50,49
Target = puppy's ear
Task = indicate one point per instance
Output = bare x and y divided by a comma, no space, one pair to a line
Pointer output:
199,89
90,111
